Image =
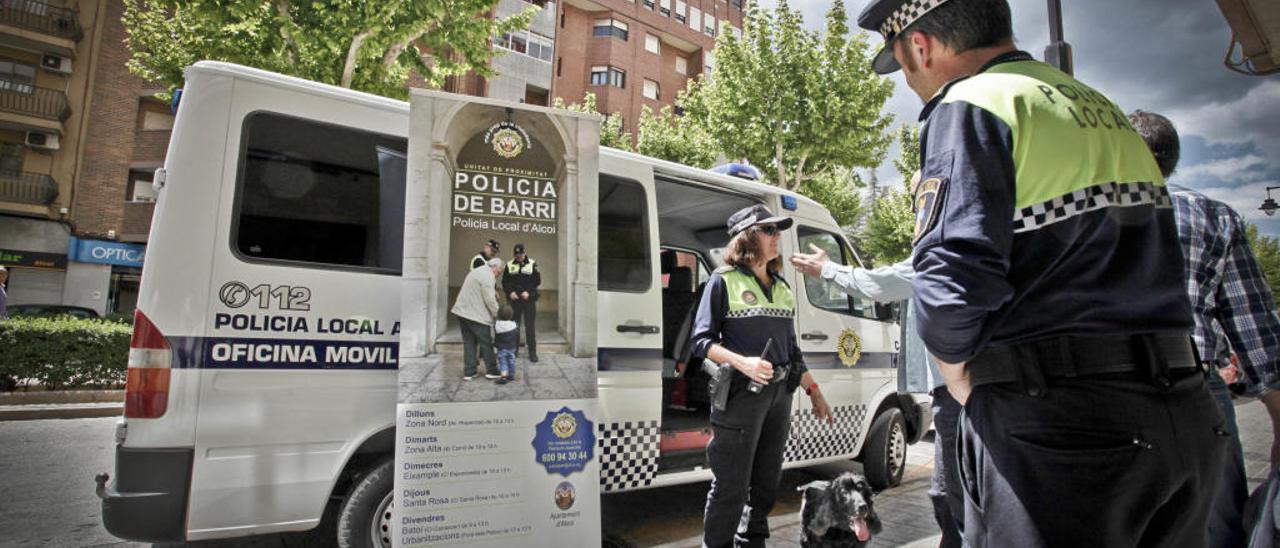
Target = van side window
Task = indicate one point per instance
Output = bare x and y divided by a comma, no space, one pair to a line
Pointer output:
624,236
319,194
826,295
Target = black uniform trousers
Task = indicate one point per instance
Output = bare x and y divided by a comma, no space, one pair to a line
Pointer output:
745,455
526,314
1104,460
944,485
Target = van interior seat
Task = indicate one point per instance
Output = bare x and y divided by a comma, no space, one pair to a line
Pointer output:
678,298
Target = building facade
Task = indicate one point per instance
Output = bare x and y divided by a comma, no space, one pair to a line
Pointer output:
636,53
79,139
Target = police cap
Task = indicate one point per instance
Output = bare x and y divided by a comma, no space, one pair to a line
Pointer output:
493,244
518,249
890,18
748,217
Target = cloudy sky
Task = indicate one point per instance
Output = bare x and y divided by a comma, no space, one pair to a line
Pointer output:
1159,55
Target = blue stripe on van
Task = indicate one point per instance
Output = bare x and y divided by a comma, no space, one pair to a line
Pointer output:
868,360
246,353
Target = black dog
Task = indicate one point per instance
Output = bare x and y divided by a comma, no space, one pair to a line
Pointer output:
837,513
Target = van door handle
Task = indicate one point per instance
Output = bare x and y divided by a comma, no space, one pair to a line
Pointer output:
635,328
814,336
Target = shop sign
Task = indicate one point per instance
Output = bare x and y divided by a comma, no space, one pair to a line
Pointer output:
105,252
33,259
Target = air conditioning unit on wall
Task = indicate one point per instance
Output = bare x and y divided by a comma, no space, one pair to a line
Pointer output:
41,140
56,63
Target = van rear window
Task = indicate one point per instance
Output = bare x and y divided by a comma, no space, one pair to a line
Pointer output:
319,194
624,236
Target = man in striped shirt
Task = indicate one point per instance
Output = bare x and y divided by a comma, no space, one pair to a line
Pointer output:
1233,308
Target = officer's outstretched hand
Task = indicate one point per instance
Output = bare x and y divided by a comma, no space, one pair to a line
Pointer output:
821,408
810,265
757,369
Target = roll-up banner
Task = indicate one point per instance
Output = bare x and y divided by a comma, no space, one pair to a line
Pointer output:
492,447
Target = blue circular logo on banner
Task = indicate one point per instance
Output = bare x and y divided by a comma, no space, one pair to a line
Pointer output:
564,442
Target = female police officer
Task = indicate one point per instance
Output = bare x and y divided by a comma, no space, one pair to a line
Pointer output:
746,305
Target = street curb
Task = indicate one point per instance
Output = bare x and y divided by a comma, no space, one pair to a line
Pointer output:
42,397
61,404
67,411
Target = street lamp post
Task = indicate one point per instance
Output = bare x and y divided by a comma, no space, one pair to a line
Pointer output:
1058,52
1269,206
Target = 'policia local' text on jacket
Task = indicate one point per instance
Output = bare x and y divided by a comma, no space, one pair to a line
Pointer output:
1041,213
738,313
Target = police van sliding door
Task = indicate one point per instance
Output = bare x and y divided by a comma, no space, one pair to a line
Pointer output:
847,348
299,360
630,294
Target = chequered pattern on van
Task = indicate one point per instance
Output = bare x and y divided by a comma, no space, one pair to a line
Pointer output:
811,438
628,454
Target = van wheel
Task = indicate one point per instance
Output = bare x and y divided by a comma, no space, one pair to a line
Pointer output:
365,518
884,456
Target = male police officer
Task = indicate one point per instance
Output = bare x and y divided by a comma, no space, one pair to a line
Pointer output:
489,251
521,284
1049,290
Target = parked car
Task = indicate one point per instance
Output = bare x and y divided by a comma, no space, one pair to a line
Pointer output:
50,310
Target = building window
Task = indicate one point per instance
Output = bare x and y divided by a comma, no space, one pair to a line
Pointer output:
610,27
709,24
681,8
608,76
651,44
154,115
664,7
648,4
528,43
15,76
140,189
682,65
695,18
334,199
736,3
10,157
650,89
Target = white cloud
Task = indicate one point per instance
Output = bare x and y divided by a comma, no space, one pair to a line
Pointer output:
1253,117
1245,199
1237,169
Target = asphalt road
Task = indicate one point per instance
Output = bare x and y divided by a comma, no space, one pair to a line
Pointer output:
47,492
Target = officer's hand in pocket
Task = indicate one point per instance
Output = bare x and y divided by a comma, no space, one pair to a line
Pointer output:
757,369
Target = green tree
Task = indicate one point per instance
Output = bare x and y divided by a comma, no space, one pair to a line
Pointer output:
611,134
792,102
839,191
361,44
891,223
1267,250
673,138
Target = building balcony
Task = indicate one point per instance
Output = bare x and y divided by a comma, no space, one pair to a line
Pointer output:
42,18
34,101
27,188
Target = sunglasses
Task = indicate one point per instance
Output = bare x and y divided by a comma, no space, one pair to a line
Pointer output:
768,230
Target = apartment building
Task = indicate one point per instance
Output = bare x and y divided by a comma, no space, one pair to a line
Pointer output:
629,53
79,139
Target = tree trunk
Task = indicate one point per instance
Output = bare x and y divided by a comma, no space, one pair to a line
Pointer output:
349,68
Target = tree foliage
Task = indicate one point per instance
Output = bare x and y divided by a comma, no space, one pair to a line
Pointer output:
669,137
840,191
908,160
1267,250
361,44
891,223
794,103
611,133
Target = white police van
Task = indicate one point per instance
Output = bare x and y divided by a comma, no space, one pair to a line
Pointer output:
285,198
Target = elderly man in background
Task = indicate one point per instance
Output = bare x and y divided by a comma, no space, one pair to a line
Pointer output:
1232,305
476,309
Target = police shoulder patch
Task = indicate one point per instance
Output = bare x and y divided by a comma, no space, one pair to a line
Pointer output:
927,205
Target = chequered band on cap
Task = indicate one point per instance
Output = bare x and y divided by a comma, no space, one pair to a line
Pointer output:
906,14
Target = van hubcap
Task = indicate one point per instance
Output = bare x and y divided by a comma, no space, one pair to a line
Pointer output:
380,529
897,449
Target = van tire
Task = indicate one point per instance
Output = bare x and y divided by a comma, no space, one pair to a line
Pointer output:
365,518
884,456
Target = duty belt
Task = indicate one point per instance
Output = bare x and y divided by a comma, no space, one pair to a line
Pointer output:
1154,356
